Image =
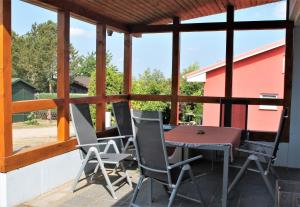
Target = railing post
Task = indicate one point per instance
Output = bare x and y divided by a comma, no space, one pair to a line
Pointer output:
175,74
100,75
6,146
63,75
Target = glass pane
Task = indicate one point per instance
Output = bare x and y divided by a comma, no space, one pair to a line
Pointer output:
211,114
114,63
264,119
34,128
164,107
202,63
82,58
191,113
259,63
271,11
34,49
211,18
152,66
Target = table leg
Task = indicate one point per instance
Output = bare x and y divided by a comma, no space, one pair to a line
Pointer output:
225,176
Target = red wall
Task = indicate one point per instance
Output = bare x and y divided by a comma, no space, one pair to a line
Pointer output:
262,73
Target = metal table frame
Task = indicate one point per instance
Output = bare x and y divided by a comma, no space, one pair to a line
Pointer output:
219,147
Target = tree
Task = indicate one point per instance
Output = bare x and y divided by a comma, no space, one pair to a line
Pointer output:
152,83
35,56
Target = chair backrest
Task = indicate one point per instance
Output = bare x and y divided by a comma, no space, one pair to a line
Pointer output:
122,114
279,134
150,144
233,113
83,125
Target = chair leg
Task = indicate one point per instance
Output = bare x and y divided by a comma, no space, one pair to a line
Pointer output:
150,190
126,173
136,190
110,187
174,191
196,186
265,178
85,161
239,175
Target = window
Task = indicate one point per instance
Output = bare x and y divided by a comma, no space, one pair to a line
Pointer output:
270,96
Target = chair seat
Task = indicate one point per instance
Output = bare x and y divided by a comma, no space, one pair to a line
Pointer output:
162,177
113,158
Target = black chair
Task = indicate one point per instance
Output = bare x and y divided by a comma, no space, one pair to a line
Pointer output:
94,150
258,152
152,157
122,115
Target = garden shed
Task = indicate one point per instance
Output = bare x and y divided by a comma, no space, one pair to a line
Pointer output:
21,90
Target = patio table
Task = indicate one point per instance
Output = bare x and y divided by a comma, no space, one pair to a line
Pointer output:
210,138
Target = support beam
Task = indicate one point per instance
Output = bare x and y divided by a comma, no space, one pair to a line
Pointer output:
210,27
127,81
175,74
63,75
6,146
229,64
100,75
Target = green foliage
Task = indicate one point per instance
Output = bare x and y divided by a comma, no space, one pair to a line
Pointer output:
191,89
31,119
34,56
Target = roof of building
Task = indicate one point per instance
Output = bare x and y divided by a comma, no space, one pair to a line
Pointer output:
146,12
240,57
82,81
16,80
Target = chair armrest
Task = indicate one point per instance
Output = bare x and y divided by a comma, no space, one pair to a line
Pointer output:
258,144
112,138
253,152
90,145
184,162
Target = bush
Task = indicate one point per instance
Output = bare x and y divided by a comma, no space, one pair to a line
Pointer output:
31,119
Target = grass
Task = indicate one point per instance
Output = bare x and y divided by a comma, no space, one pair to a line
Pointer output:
41,124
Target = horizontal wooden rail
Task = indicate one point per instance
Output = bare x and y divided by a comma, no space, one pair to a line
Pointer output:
139,97
90,100
35,154
35,105
116,98
215,26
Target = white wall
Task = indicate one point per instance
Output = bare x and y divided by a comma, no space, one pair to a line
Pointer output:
289,154
28,182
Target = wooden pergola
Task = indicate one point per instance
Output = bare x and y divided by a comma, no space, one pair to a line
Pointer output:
133,18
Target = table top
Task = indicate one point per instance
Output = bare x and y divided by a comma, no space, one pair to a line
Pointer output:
204,135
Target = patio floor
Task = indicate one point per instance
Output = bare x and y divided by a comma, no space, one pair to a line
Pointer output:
249,192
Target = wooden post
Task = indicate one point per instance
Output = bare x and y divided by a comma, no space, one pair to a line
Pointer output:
127,80
63,75
6,146
229,64
288,74
175,74
100,75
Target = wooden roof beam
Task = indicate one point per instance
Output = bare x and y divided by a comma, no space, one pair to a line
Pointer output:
81,13
216,26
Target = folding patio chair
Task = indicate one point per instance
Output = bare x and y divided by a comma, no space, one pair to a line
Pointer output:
153,160
94,152
258,152
122,115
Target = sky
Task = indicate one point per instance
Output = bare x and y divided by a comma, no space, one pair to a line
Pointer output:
154,51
